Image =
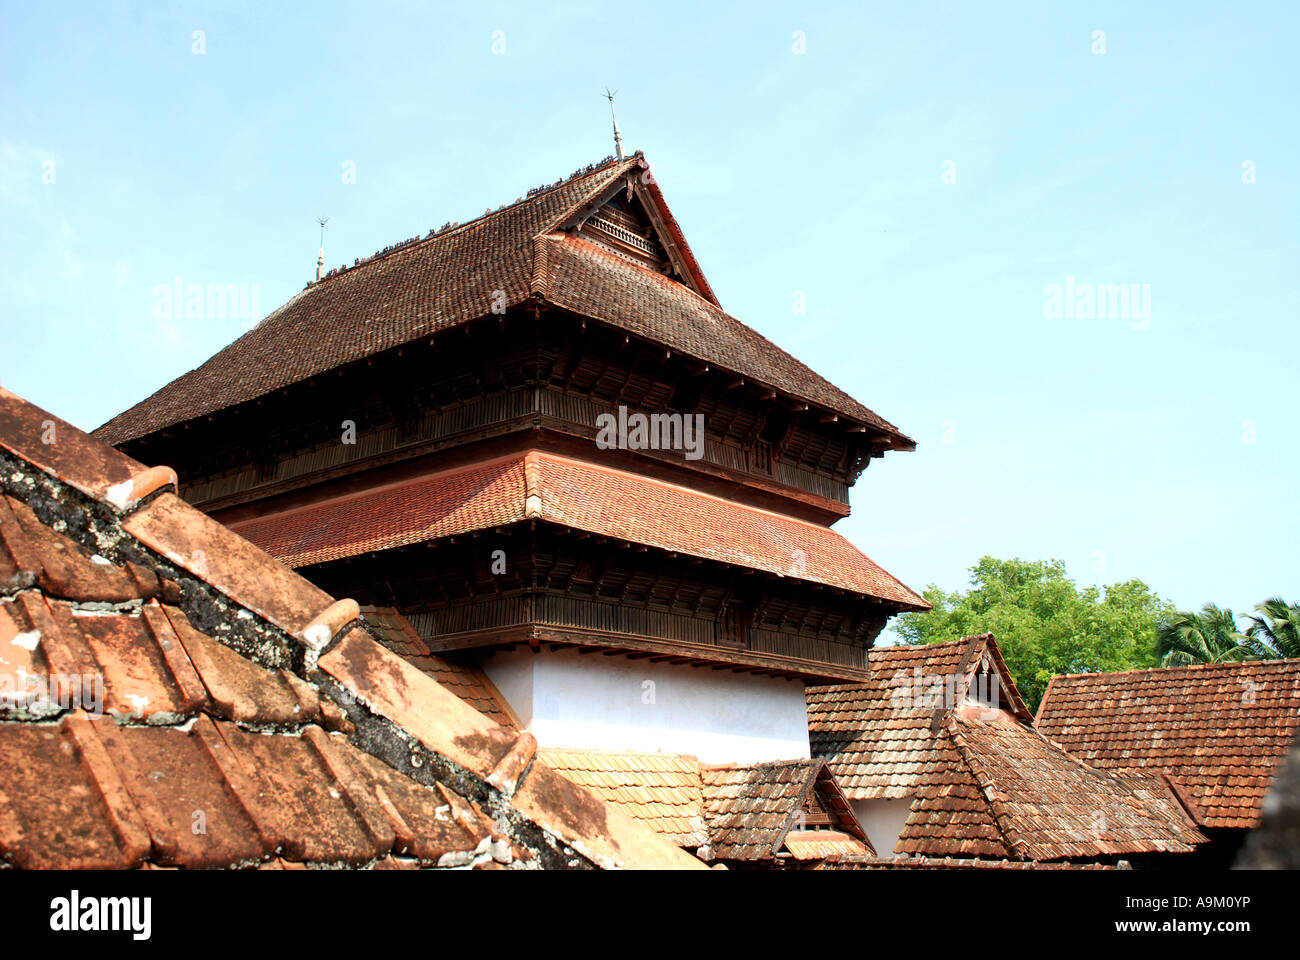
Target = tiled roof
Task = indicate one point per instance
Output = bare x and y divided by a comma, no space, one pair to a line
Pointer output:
587,279
1275,843
728,812
174,696
449,278
876,737
661,790
751,809
985,783
460,677
1220,732
1041,803
578,494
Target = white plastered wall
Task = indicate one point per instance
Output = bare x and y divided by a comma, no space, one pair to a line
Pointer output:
567,699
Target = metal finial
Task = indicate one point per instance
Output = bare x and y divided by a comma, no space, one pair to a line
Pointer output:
320,257
618,137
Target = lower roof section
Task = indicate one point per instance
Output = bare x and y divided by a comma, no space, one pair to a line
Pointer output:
581,495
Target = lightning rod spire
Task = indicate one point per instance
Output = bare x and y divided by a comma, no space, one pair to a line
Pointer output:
618,137
320,257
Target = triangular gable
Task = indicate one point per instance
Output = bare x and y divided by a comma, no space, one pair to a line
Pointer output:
630,218
750,810
826,808
987,681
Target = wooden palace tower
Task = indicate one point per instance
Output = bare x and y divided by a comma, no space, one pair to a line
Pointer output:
539,438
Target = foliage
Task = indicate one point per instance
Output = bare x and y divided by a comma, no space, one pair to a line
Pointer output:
1044,624
1210,636
1277,627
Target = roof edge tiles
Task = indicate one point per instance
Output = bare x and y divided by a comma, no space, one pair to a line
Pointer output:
444,269
233,611
1217,734
577,494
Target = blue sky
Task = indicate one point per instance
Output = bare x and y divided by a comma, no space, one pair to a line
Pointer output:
921,173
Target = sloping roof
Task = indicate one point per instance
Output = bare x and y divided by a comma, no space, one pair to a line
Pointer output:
729,812
587,279
1042,803
1220,732
449,278
985,783
877,737
159,665
578,494
461,677
751,808
661,790
1275,843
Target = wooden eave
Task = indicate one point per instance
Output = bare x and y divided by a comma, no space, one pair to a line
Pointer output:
538,636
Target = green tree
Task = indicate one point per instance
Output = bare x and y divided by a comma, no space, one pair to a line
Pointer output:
1277,626
1211,636
1045,625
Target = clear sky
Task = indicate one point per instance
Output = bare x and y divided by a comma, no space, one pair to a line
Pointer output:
922,173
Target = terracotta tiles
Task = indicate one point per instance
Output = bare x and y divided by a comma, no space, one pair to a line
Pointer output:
1042,803
445,280
443,504
983,782
584,496
204,548
876,737
460,677
31,554
820,844
402,694
164,703
60,449
589,280
758,813
750,809
1219,732
413,292
662,791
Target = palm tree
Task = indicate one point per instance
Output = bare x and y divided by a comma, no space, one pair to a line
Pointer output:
1210,636
1277,626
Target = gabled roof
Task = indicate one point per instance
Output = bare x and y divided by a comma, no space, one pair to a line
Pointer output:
1220,731
448,278
585,496
984,782
878,737
750,809
158,665
1003,790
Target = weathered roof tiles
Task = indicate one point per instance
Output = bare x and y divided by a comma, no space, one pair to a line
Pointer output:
983,782
581,495
1220,732
433,284
172,696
